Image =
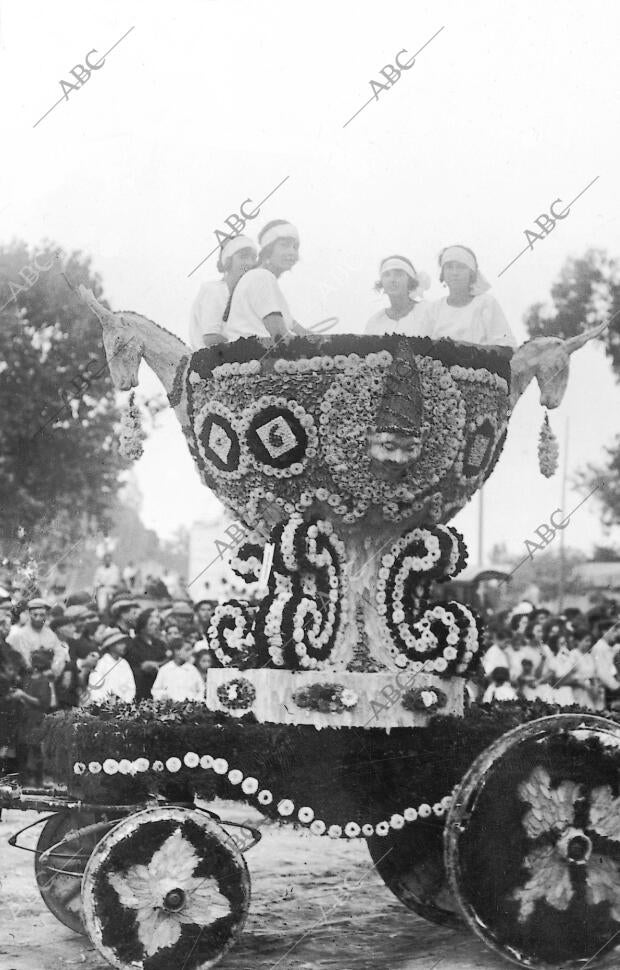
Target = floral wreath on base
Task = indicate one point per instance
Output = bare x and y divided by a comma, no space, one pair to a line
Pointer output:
426,699
237,694
326,698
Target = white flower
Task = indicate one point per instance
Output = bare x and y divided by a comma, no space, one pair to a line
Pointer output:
125,766
352,830
382,828
79,768
141,764
368,829
410,814
349,697
110,766
249,786
317,827
145,888
397,821
157,766
305,815
191,759
334,831
424,810
439,809
220,766
440,665
206,761
173,764
265,797
235,776
429,697
286,807
94,767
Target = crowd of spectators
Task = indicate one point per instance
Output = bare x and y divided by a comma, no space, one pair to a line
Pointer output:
55,656
568,659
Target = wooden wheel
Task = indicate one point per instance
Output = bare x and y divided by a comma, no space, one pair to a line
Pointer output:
165,889
411,864
56,879
533,842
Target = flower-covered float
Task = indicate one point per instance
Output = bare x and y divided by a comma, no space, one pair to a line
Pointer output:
339,703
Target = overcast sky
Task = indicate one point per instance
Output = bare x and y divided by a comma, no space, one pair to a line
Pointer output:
205,104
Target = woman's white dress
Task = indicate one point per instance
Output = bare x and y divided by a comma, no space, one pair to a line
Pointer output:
408,325
111,678
207,311
480,322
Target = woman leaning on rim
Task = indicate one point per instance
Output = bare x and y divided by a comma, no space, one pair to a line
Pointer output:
258,307
404,287
236,257
469,313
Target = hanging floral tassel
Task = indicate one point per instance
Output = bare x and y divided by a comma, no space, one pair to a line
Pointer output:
548,449
131,433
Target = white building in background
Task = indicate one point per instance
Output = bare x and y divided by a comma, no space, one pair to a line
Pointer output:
211,549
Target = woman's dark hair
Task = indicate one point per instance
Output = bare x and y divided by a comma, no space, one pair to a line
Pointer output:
143,619
461,246
411,283
553,641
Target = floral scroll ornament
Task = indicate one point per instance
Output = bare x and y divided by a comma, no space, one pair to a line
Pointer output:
559,845
165,894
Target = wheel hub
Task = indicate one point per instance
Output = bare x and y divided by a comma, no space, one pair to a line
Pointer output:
575,846
174,900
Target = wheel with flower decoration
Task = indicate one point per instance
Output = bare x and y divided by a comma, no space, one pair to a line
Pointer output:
533,842
67,841
411,864
165,888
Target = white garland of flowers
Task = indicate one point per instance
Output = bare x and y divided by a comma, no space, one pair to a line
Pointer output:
251,786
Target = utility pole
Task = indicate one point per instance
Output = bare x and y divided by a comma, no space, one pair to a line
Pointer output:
562,581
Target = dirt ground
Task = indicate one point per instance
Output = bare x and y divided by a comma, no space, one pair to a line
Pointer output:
316,903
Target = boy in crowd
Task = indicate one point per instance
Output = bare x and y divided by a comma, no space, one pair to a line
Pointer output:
178,680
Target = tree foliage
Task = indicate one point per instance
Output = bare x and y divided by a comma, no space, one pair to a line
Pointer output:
59,464
587,293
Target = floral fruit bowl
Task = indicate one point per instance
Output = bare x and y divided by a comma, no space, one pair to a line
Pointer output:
357,429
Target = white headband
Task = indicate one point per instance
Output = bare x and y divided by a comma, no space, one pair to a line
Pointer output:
234,245
396,262
284,231
459,254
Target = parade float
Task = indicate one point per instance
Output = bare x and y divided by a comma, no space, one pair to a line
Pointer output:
339,701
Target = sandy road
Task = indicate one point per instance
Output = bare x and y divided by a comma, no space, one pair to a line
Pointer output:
316,903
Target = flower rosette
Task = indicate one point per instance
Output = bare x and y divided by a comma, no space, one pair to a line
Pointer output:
248,559
428,700
237,694
326,698
231,636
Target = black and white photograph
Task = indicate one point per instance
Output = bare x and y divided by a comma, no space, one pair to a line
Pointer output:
310,485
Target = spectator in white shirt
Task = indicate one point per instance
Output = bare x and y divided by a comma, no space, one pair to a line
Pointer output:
36,635
258,307
237,256
107,580
500,688
179,680
603,654
112,678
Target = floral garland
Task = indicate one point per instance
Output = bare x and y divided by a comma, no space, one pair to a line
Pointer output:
131,433
251,788
326,698
548,449
430,638
427,699
237,694
230,635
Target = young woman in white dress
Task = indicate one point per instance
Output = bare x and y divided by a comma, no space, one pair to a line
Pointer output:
237,256
404,287
469,314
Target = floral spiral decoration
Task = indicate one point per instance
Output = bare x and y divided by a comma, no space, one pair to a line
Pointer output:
249,558
430,637
230,635
299,622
